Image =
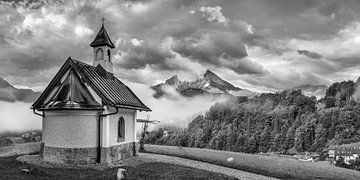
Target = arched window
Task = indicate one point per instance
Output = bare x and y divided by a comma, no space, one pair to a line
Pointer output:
99,54
121,129
109,55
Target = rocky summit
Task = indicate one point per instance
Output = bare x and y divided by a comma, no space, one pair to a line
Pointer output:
207,84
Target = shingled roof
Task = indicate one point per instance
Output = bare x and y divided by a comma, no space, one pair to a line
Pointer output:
102,38
111,90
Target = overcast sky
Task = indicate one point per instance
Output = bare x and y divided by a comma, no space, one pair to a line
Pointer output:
262,45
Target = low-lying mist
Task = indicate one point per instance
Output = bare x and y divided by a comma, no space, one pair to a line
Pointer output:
17,116
174,111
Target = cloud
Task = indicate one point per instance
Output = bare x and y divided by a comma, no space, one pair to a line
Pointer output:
136,42
260,45
18,117
142,54
210,47
280,80
339,51
177,112
39,36
162,38
214,14
309,54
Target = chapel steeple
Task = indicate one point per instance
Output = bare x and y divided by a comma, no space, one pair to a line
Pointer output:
103,46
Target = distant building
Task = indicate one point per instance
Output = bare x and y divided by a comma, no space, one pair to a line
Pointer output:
88,114
348,153
165,133
331,153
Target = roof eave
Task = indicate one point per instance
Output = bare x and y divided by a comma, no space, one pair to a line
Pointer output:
71,109
133,107
102,44
52,83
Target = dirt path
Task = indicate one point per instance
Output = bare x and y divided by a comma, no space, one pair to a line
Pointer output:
146,158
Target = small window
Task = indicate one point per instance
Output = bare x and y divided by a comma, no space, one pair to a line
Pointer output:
109,54
99,54
121,129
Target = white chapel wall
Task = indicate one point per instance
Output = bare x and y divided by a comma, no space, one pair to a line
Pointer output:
72,129
110,128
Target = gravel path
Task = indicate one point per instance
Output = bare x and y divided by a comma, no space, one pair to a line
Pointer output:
147,157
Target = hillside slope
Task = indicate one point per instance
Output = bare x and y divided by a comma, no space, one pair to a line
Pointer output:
286,122
11,94
274,166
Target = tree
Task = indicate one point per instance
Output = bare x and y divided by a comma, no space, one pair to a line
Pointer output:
289,141
320,138
273,122
219,141
265,139
330,101
299,138
231,135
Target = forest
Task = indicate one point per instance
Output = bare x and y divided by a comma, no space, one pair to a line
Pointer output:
285,122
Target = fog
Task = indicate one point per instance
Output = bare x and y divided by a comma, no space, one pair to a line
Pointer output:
18,116
173,111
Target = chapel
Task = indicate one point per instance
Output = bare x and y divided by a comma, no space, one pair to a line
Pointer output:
88,114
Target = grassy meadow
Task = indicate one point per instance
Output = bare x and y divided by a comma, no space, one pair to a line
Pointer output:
11,169
283,168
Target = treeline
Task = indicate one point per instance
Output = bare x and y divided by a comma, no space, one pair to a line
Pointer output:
285,122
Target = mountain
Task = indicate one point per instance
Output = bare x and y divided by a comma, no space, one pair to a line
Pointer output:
291,121
11,94
208,84
318,91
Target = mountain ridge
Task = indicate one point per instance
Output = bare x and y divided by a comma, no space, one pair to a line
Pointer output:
11,94
208,84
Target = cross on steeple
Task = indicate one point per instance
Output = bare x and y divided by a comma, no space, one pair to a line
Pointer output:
102,20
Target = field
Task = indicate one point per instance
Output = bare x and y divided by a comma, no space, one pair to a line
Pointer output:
19,149
17,133
11,169
283,168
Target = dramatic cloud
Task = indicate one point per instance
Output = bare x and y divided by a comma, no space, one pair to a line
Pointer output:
260,45
309,54
214,14
140,54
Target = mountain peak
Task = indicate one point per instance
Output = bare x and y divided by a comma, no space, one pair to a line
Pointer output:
209,73
173,80
216,81
208,84
4,84
211,76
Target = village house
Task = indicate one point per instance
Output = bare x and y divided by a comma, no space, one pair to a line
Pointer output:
88,115
348,153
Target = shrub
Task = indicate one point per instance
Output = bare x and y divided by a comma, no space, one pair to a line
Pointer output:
5,142
31,137
339,162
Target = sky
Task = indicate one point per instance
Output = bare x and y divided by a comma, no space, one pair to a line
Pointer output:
255,44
